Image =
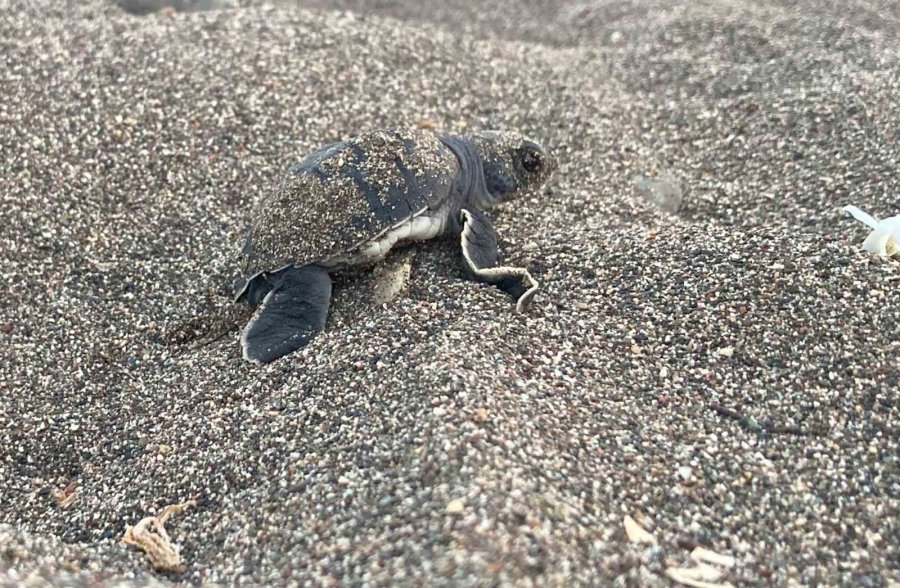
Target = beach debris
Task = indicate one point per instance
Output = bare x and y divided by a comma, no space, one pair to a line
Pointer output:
150,536
636,533
699,576
495,568
752,424
703,574
709,556
65,497
481,415
665,191
455,507
885,236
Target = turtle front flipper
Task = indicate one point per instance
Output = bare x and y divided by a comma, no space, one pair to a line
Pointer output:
290,316
479,249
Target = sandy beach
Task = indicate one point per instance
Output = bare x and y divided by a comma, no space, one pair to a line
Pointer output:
711,352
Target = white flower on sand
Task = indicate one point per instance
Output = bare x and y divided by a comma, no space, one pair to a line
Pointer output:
885,236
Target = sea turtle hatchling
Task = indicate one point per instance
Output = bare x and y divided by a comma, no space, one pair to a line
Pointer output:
347,204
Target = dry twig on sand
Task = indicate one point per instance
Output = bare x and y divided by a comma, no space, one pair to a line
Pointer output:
750,423
150,536
65,497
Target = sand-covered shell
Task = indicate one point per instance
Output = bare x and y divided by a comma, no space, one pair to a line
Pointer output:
347,194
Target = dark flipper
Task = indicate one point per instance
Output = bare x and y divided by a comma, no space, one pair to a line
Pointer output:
291,315
479,248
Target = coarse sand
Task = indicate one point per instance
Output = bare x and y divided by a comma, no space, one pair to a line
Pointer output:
711,353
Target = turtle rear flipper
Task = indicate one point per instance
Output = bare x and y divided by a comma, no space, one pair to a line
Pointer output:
479,248
290,316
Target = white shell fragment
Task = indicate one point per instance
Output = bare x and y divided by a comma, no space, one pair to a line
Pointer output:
664,191
885,236
703,555
702,574
636,533
699,576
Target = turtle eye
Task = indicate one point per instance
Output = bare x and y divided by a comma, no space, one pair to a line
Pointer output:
531,160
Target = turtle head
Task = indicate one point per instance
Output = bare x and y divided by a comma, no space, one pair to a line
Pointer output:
513,165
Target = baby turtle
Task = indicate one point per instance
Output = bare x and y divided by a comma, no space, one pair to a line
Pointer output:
347,204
